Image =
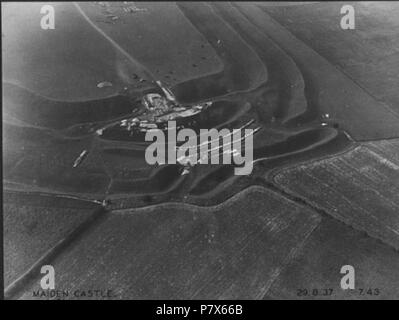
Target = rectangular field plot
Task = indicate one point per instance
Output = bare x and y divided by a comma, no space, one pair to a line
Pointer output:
315,272
360,188
33,225
229,251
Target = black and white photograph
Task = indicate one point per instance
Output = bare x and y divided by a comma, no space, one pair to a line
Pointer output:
190,151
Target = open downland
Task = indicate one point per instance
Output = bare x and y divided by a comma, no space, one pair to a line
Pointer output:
368,54
283,74
328,90
147,36
66,63
31,109
35,160
242,68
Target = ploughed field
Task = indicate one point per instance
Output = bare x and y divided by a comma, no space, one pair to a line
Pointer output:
314,121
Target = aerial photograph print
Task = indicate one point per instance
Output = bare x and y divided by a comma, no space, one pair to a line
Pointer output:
221,151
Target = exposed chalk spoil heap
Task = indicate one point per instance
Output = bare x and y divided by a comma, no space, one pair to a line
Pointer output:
157,110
